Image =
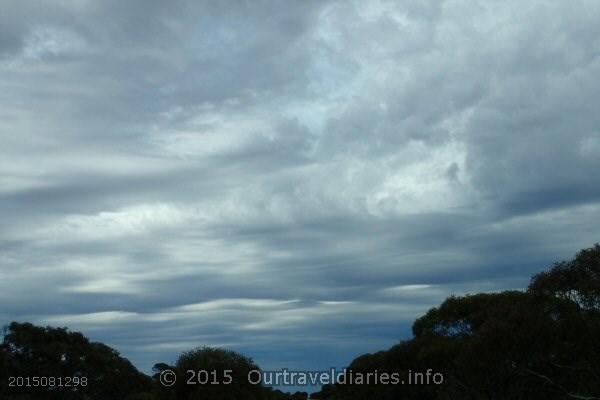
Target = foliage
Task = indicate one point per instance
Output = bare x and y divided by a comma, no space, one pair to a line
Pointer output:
577,280
538,344
31,351
211,373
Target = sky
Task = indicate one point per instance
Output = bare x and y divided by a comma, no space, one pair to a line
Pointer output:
297,181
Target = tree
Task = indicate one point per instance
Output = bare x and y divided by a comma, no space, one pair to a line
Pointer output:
536,344
577,280
31,351
212,373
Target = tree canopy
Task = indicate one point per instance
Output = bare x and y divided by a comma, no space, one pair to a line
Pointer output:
542,343
32,351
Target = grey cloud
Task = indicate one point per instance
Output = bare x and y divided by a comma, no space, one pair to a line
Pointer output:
347,164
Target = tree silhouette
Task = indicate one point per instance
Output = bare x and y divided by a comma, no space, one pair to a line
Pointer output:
97,371
577,280
211,373
542,343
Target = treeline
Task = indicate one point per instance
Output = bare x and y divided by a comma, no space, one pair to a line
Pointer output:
45,363
541,343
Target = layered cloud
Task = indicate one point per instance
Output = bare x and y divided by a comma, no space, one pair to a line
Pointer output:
297,181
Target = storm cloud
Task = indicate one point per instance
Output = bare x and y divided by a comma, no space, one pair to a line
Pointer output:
298,180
